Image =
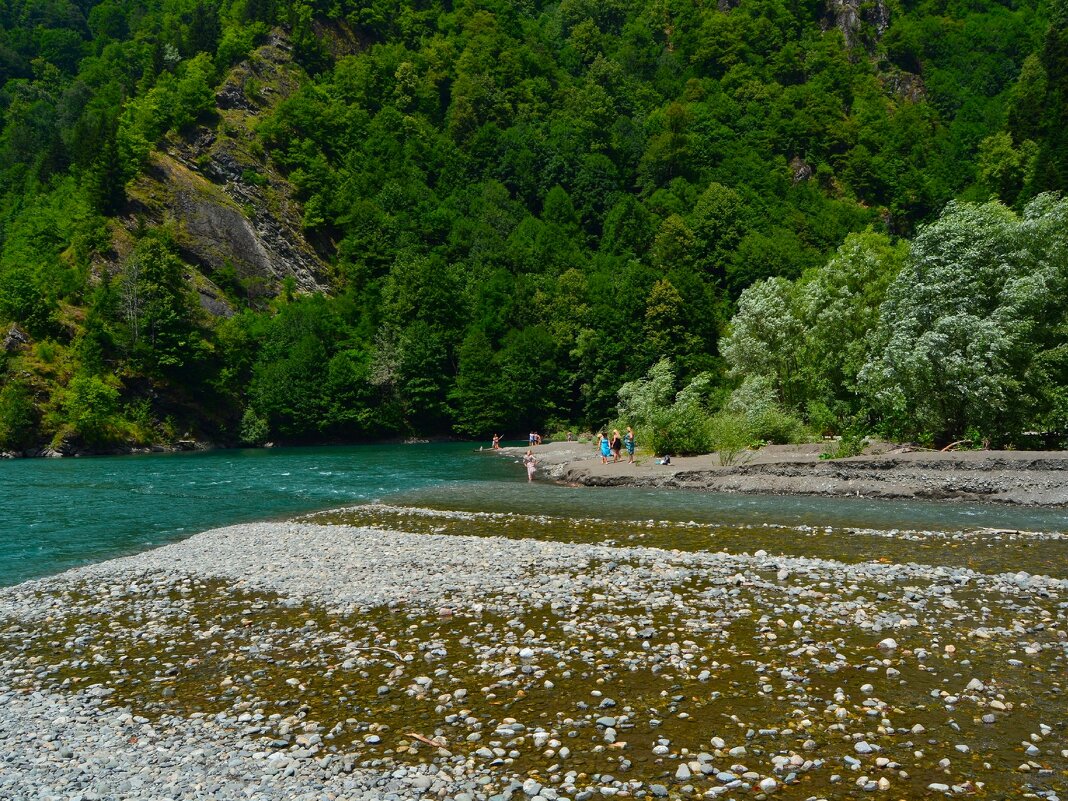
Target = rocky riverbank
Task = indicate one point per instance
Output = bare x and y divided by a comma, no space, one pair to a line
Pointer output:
1029,478
384,653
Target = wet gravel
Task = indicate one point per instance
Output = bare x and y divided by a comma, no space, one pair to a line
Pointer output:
406,660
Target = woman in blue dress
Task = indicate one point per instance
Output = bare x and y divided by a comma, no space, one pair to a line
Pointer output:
605,447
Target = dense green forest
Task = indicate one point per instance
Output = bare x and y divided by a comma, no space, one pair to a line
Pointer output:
312,221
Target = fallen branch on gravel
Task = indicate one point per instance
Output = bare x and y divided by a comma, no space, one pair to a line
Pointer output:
422,739
953,445
378,648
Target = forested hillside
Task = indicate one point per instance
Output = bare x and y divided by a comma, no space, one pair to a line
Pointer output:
301,221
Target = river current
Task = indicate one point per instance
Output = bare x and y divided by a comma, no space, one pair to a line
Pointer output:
57,514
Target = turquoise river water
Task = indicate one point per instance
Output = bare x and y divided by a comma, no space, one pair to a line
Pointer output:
60,513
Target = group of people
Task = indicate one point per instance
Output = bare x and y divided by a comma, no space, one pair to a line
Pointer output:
610,447
613,446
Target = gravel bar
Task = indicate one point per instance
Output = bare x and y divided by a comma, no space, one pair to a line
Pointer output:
309,661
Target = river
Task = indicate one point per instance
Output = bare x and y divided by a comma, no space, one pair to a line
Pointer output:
57,514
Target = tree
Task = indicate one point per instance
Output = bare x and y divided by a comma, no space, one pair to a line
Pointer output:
477,394
24,300
287,385
159,309
765,338
838,304
1003,168
956,344
667,327
90,407
1051,169
18,415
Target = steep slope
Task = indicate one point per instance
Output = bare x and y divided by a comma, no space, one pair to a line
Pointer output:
230,212
486,216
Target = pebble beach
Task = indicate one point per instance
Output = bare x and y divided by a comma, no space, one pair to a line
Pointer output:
396,653
885,471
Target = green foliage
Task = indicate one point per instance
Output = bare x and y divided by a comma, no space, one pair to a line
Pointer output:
799,346
90,407
159,310
670,422
777,426
18,416
729,434
1005,169
849,444
679,430
641,399
254,429
24,299
965,328
476,394
525,207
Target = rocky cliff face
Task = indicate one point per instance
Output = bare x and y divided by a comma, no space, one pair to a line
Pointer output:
863,23
849,16
221,197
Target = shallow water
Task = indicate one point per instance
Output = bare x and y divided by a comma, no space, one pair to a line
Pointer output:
57,514
984,551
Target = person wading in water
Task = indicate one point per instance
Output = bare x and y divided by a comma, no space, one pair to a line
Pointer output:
531,462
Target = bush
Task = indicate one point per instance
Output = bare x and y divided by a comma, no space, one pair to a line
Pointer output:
254,430
821,418
641,400
23,298
766,419
849,444
141,429
18,416
776,426
90,407
680,430
729,435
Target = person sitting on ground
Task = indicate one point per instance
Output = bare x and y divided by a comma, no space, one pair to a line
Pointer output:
665,459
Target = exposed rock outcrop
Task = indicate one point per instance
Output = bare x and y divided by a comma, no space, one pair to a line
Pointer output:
850,15
224,201
904,85
801,169
14,339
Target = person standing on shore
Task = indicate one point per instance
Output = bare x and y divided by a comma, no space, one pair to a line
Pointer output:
628,440
531,462
602,443
617,445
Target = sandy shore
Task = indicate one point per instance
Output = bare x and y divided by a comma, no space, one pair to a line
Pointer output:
1027,478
